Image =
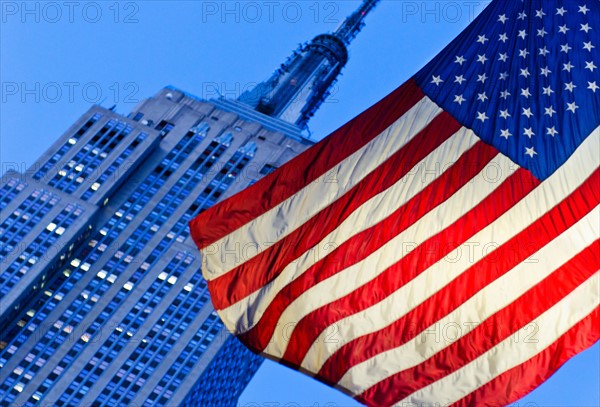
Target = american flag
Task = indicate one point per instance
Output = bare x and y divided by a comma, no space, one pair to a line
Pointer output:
443,246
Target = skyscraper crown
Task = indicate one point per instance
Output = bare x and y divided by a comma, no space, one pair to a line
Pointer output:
302,83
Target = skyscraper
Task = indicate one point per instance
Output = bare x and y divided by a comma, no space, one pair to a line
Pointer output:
101,295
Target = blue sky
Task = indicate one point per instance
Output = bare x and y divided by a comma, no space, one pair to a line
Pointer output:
57,59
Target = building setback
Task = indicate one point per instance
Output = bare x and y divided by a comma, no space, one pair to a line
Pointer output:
102,301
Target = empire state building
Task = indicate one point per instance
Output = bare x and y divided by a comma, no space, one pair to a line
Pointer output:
102,301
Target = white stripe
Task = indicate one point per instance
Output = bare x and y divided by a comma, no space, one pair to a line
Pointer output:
511,353
478,308
348,280
223,255
556,188
246,313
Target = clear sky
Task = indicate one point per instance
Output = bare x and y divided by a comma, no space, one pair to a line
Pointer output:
58,58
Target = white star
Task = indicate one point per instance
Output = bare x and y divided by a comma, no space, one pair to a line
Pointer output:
567,67
522,34
543,51
525,72
583,9
460,79
505,133
585,27
527,112
561,11
551,131
503,57
504,114
548,91
482,117
503,76
522,16
540,13
459,60
482,39
504,94
588,46
570,86
530,152
549,111
502,18
436,79
529,132
572,107
592,86
565,48
459,99
481,78
590,65
563,29
481,58
541,33
503,37
545,71
523,52
525,92
482,97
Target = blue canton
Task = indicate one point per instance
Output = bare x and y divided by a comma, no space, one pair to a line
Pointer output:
525,77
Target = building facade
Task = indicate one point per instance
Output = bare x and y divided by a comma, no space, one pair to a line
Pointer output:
102,301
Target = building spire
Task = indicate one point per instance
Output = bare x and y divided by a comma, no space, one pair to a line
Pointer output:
302,83
352,25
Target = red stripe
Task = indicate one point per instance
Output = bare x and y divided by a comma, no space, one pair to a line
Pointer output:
244,280
229,215
490,332
520,380
361,245
516,250
513,189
